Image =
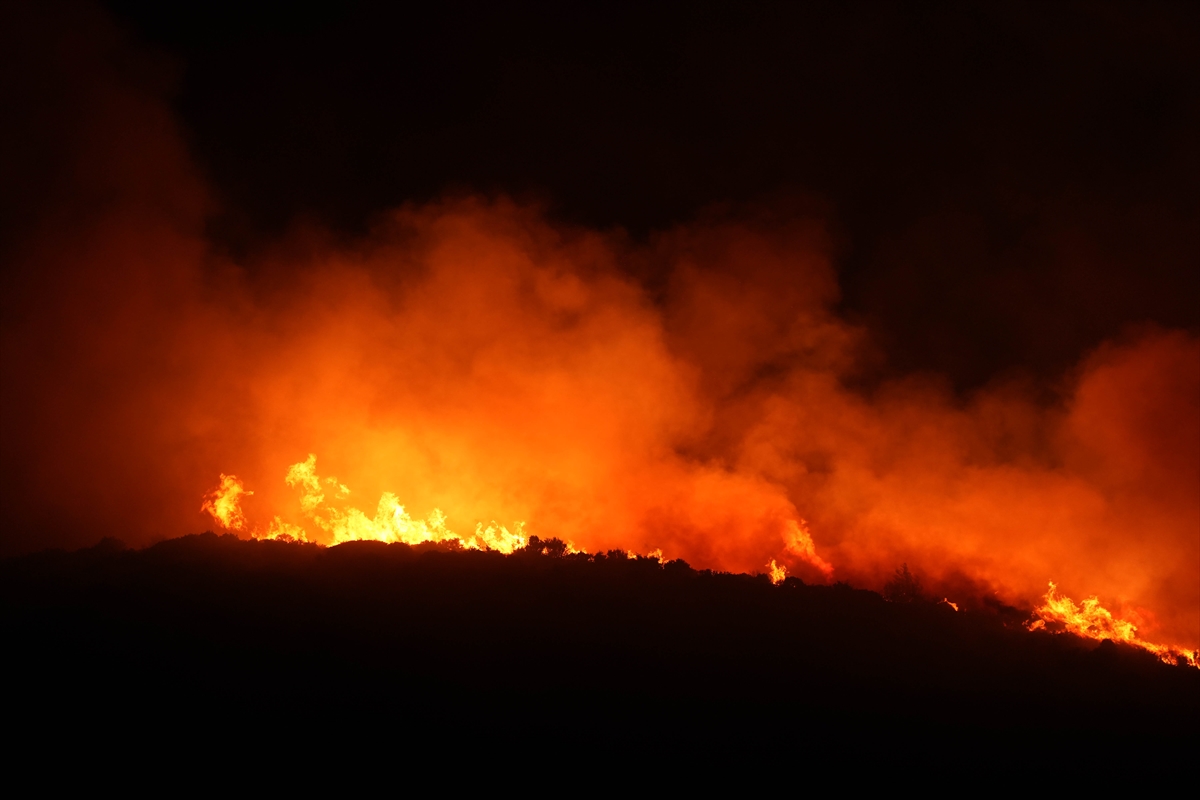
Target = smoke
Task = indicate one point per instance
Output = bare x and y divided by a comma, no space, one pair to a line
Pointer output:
474,356
1097,491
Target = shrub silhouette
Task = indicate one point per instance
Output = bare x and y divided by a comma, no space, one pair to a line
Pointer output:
553,547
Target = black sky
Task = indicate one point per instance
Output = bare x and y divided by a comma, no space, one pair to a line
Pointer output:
1009,183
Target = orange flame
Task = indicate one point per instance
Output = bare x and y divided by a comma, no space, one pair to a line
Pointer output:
223,503
391,523
1093,621
800,543
283,531
495,363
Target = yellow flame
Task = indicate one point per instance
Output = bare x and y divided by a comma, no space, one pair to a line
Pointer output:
799,541
391,522
1094,621
320,501
283,531
223,505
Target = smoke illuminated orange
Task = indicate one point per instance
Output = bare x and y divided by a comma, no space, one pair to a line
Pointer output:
473,356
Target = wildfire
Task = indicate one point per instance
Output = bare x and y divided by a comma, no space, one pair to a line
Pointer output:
391,523
322,502
224,505
1094,621
800,542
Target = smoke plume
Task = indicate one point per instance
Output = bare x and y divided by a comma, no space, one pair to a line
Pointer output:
475,356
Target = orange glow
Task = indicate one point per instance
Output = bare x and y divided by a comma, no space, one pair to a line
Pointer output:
224,505
696,393
391,523
800,543
474,363
1094,621
946,600
282,531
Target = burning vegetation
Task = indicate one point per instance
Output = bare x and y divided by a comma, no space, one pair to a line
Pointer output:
472,357
697,393
472,362
392,524
1093,621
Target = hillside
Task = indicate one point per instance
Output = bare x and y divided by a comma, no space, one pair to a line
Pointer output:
214,626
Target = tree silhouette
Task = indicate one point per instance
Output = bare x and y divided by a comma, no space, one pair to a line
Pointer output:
904,587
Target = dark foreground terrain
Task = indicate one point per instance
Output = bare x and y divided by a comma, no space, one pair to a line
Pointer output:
369,639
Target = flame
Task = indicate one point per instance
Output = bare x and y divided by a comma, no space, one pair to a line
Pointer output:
800,542
391,523
496,363
284,531
1093,621
224,505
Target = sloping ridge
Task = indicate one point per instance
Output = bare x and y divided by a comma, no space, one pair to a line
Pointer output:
220,625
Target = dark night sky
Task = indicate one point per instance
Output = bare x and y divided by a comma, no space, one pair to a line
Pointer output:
1010,183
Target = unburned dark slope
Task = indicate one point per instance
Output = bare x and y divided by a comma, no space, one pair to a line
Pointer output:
209,627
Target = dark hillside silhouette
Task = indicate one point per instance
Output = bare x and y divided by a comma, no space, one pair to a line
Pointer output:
215,627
